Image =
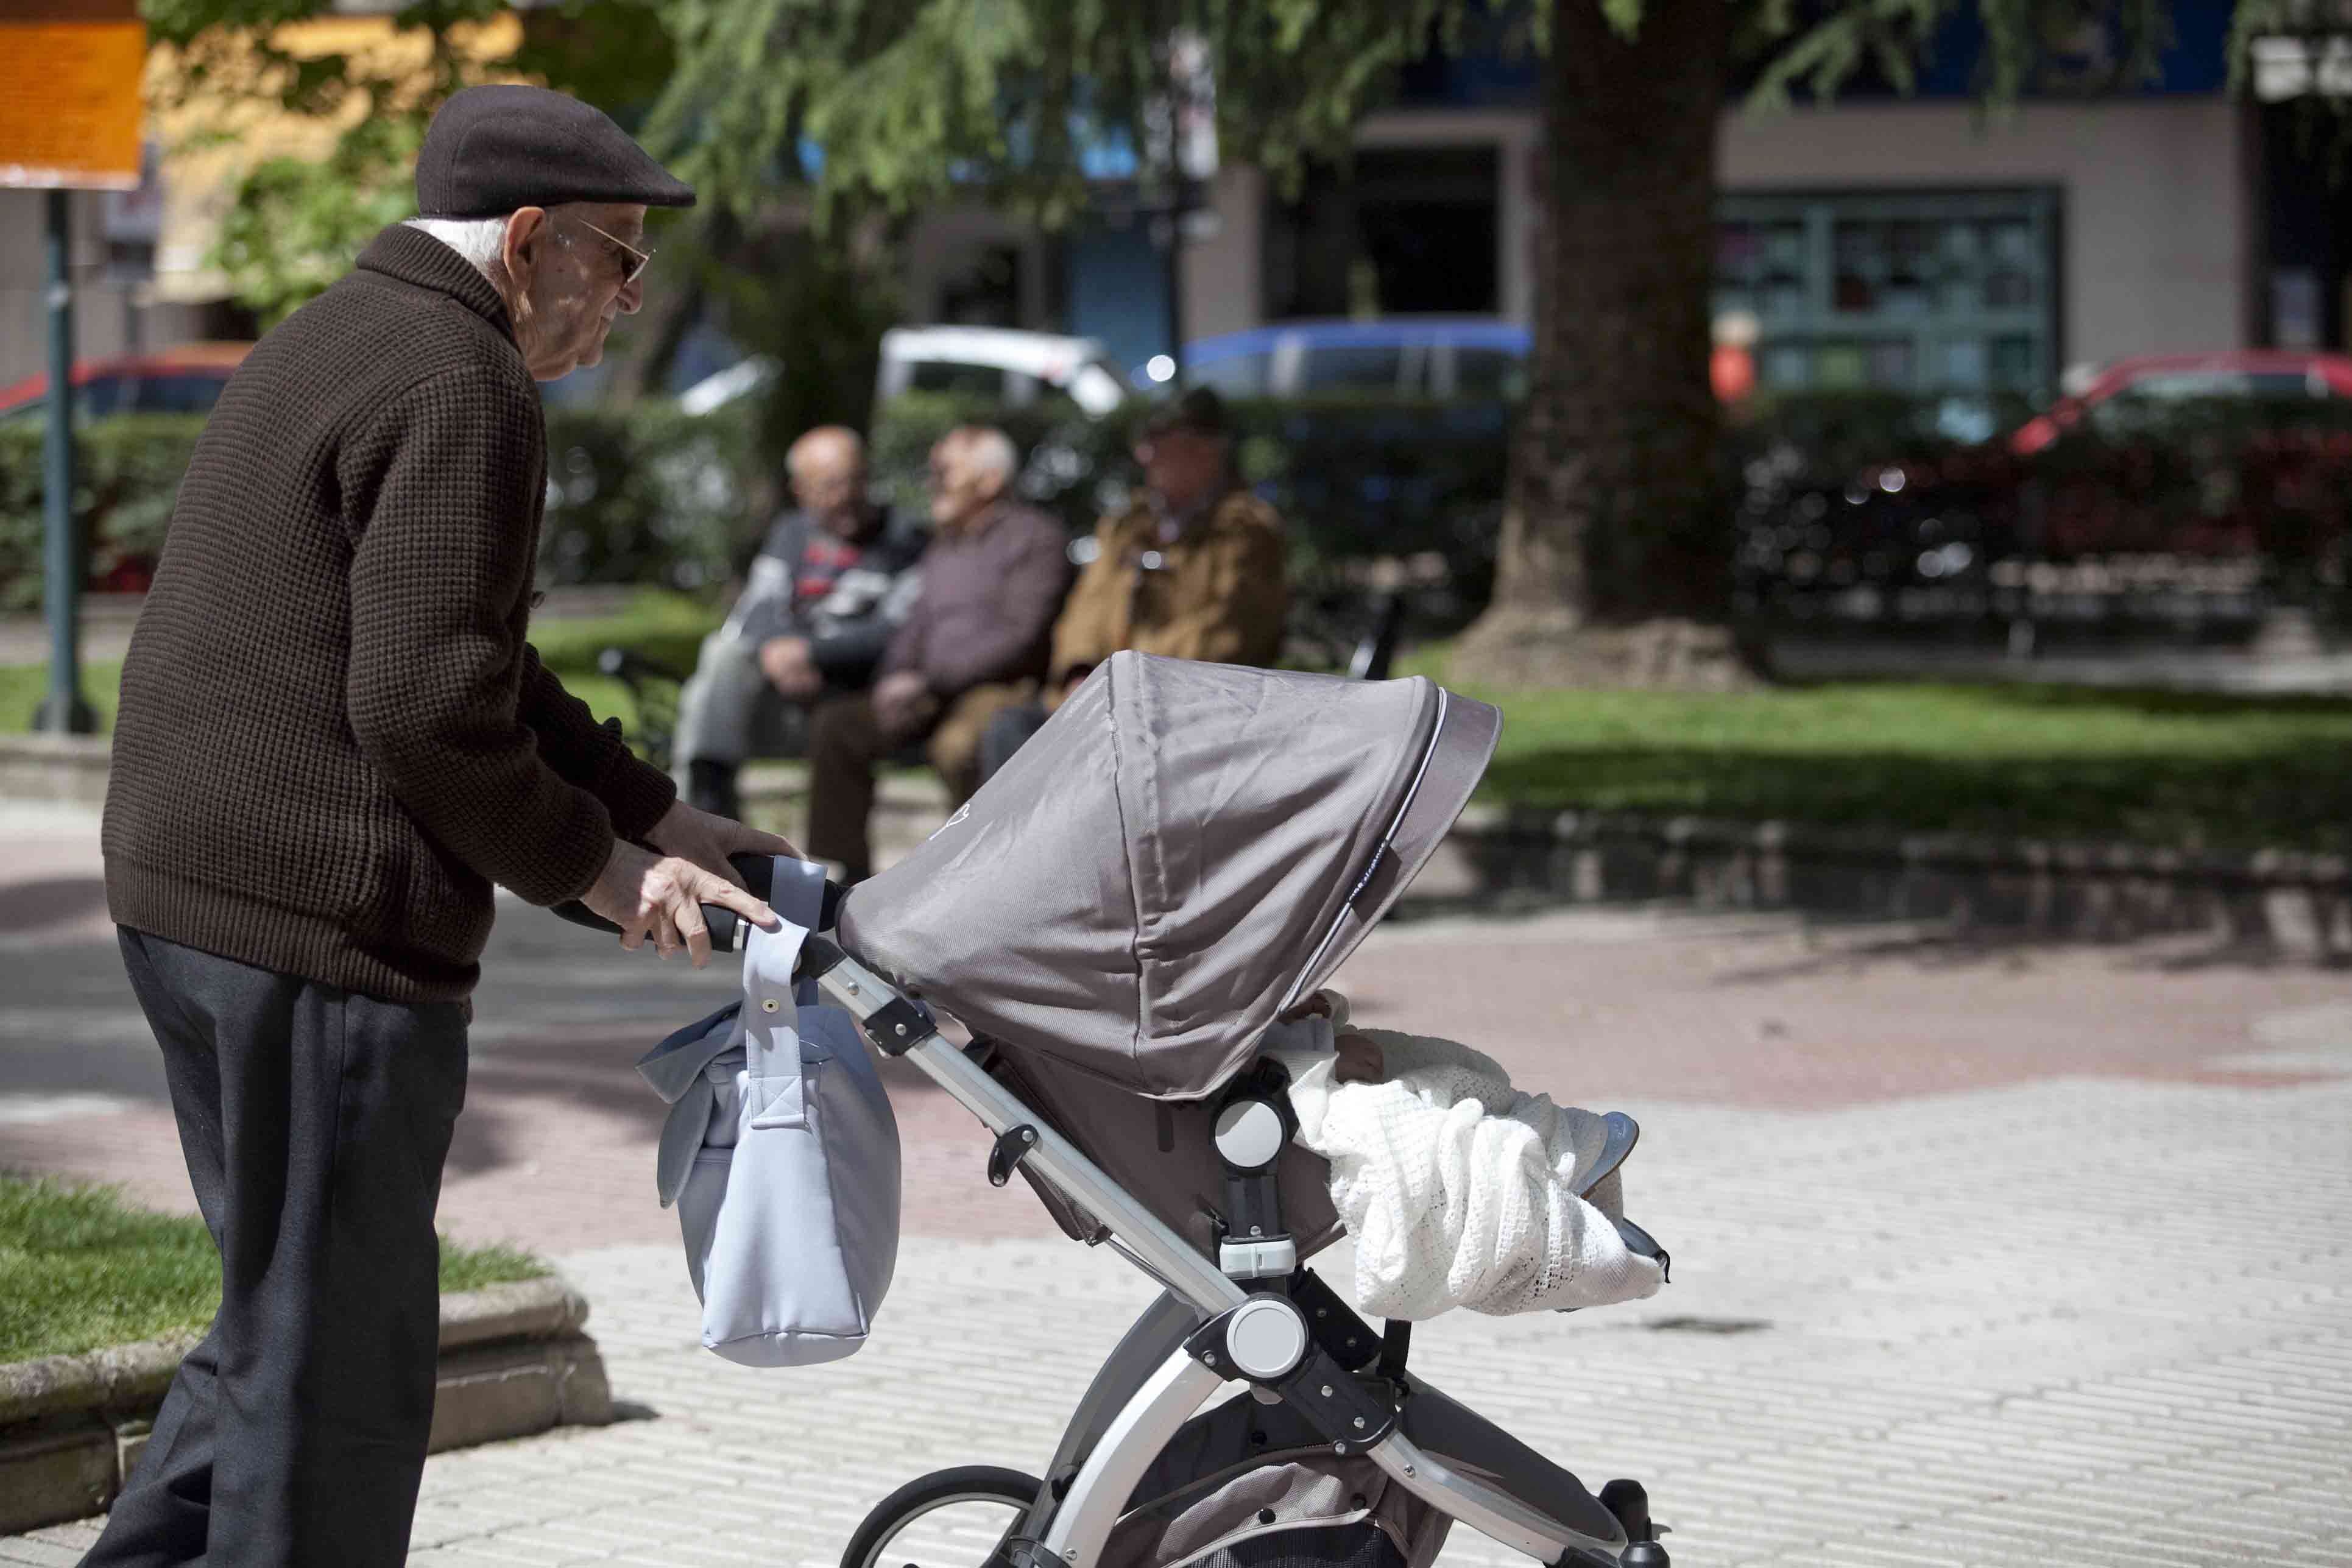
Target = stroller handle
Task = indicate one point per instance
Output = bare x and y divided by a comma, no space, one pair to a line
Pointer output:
758,872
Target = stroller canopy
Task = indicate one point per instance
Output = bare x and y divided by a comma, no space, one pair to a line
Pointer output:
1186,850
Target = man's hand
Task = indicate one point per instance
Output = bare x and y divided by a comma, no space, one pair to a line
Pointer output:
662,897
707,839
790,668
900,702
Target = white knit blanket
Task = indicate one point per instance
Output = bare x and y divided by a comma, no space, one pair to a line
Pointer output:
1457,1188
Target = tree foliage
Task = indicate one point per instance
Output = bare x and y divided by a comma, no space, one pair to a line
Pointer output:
294,222
895,103
860,109
889,104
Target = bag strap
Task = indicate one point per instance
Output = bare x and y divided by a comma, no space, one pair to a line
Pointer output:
771,1014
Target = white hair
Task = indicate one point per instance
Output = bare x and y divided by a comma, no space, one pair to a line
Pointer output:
991,451
480,240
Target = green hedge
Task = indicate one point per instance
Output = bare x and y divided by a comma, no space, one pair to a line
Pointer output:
639,495
1378,477
126,476
649,494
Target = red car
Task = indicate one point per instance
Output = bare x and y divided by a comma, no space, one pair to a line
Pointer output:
184,380
2186,489
2150,381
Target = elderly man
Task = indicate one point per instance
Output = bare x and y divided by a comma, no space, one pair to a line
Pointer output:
832,582
973,645
1193,570
333,738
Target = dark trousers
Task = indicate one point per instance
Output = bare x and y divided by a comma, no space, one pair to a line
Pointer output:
845,742
315,1123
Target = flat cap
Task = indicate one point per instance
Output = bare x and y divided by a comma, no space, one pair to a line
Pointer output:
491,149
1199,411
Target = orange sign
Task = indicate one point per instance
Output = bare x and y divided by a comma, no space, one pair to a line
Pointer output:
70,108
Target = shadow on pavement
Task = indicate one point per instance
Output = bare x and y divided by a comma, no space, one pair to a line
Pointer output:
49,902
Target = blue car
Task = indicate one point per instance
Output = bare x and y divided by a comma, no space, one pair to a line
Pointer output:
1473,358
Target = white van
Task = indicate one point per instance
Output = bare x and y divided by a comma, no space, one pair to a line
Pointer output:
1002,365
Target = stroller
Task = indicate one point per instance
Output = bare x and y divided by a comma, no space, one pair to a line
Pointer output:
1182,855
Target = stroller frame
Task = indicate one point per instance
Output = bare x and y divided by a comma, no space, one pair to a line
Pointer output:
1183,1348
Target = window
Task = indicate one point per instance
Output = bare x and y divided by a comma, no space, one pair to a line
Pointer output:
1403,231
2180,386
1353,368
103,395
1236,375
2271,398
948,375
1489,373
169,393
1915,291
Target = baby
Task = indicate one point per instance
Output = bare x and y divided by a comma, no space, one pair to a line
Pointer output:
1359,1056
1458,1189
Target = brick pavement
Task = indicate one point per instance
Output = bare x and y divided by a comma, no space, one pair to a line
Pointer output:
2027,1254
2078,1321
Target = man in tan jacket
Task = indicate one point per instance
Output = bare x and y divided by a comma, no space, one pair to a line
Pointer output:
1192,570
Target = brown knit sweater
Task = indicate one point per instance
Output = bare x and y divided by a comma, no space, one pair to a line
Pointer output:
332,736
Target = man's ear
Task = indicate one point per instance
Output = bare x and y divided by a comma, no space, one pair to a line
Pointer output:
528,234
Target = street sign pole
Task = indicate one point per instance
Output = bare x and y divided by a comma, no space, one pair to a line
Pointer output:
70,120
63,711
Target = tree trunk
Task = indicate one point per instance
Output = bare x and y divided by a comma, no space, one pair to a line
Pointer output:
1613,567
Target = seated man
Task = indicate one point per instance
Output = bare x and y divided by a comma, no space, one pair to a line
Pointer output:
1193,570
832,582
975,643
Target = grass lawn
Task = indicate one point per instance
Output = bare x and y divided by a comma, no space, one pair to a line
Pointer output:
22,686
80,1270
2217,772
2063,762
665,627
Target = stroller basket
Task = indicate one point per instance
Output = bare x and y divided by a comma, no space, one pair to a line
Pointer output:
1245,1485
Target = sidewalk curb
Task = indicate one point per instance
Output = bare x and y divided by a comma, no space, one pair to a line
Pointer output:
43,767
514,1362
2295,901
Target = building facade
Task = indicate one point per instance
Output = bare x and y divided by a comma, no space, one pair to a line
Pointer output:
1918,242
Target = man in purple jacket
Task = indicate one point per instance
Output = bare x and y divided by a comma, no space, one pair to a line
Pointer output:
975,643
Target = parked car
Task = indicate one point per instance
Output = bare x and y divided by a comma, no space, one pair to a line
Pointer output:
184,380
2198,491
1002,364
2134,390
1472,358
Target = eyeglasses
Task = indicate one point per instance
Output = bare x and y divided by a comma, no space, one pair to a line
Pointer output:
633,260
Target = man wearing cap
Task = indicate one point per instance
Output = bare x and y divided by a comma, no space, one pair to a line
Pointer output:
333,738
1192,570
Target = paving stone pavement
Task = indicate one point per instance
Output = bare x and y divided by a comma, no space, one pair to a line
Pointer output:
2069,1322
1986,1254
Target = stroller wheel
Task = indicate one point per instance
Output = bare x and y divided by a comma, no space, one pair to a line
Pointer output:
950,1518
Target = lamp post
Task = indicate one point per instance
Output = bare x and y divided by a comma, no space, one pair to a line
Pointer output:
1183,143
